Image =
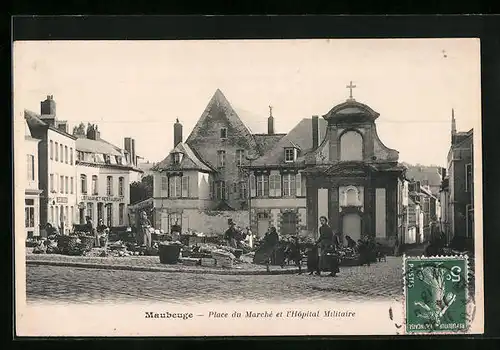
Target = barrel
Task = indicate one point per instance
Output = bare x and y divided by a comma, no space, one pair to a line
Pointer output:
169,253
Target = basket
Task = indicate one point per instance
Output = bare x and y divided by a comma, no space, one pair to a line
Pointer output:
66,243
87,242
169,253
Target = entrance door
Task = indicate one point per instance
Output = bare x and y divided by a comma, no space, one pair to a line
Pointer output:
81,215
100,212
351,226
262,224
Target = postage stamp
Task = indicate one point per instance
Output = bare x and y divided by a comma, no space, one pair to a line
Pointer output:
436,294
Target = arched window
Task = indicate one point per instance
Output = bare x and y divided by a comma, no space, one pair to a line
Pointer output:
351,197
351,146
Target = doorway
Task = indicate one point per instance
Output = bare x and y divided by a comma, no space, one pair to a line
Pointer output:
351,226
262,224
100,212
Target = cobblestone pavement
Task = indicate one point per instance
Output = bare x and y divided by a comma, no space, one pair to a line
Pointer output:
79,285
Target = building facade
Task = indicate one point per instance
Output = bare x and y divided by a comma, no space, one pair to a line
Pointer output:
334,166
103,175
56,164
457,190
31,191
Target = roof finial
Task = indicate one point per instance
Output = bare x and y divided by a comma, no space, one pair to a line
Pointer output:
350,87
270,110
177,120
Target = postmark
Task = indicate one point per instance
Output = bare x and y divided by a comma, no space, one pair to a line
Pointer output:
436,291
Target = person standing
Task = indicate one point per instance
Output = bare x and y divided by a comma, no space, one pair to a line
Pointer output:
230,234
101,232
249,237
327,243
145,225
90,229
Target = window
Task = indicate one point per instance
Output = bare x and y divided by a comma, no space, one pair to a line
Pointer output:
221,158
107,158
239,157
185,186
90,210
121,183
211,188
262,185
57,152
66,211
61,154
95,185
289,185
71,156
174,219
51,151
164,183
351,146
72,217
175,187
223,133
121,213
252,185
83,179
118,160
79,156
177,157
56,216
289,155
109,185
221,189
66,184
51,176
275,185
29,213
468,177
71,184
243,190
51,214
66,154
31,167
109,214
289,223
298,185
61,184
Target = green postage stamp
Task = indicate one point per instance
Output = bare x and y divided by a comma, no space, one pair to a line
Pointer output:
436,294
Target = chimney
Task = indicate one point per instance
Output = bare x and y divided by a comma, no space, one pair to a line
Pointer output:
177,132
127,145
48,107
63,126
134,156
92,132
315,131
443,173
270,122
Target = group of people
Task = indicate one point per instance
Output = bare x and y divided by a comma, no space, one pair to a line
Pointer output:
100,232
234,235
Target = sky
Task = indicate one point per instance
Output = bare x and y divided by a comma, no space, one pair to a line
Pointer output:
138,88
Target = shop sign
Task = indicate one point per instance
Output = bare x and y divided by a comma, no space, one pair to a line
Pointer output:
61,199
103,198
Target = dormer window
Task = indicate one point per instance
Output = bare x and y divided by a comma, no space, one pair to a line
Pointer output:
290,154
177,157
223,133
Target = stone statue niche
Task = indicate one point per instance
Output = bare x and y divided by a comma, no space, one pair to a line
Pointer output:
351,196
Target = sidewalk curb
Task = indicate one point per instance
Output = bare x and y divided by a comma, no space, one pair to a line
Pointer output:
158,269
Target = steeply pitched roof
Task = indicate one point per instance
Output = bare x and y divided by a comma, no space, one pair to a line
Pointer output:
97,146
219,105
300,136
190,161
267,141
34,121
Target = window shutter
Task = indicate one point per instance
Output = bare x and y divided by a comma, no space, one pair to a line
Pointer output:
227,186
298,184
252,185
171,187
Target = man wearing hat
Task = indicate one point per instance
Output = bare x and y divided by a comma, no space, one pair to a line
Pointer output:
231,234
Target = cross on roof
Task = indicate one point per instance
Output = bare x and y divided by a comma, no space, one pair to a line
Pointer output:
350,87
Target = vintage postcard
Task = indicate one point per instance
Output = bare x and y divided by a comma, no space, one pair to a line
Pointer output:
248,187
